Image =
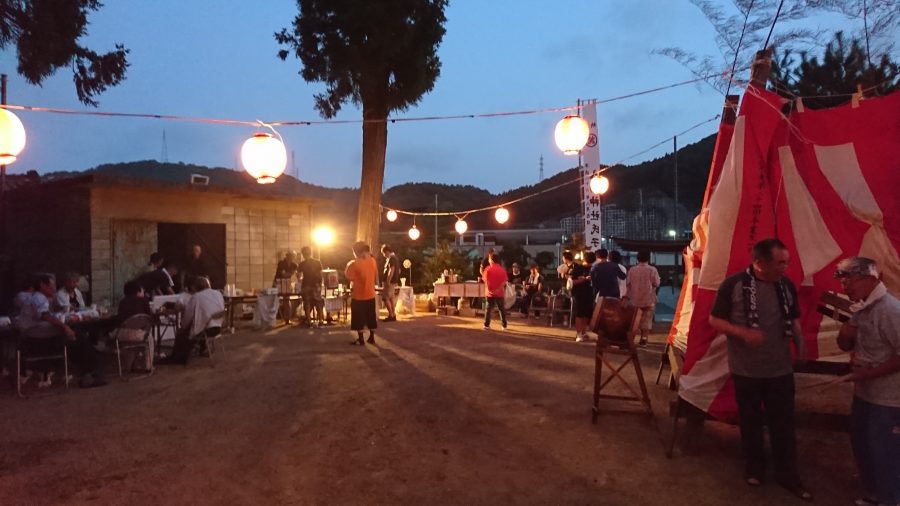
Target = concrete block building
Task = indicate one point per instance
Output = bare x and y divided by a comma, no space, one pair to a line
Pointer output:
105,223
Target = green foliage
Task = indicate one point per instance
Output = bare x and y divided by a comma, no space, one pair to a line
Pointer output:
844,65
444,258
367,52
545,259
513,252
46,34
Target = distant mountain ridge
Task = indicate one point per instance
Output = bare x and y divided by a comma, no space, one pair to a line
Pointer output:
650,179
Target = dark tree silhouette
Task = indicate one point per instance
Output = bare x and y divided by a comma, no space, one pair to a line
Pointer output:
46,35
381,56
844,66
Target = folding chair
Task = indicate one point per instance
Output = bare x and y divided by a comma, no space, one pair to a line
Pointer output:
23,355
614,322
560,304
213,334
134,333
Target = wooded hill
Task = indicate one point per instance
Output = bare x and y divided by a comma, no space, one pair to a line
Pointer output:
656,178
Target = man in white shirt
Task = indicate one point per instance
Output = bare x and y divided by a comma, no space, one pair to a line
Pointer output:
69,297
198,310
204,303
641,284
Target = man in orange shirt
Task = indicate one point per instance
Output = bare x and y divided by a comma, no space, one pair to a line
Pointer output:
495,280
362,272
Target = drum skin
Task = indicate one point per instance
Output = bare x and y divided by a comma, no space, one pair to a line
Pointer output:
613,319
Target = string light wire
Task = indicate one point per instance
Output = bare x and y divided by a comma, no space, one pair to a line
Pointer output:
545,190
270,124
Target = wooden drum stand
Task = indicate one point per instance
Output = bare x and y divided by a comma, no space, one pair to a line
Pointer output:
615,322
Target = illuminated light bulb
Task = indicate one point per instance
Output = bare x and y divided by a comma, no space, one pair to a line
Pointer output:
323,235
264,157
391,215
599,185
414,233
501,215
12,137
461,226
571,134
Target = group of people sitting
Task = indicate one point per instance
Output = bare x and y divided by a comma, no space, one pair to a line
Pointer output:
40,315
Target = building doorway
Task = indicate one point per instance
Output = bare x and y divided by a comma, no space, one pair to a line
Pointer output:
176,240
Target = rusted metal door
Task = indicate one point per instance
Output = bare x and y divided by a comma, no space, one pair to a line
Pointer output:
132,243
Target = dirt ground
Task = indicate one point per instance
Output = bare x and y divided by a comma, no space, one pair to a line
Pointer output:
438,412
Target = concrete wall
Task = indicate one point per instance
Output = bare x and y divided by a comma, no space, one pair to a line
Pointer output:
257,231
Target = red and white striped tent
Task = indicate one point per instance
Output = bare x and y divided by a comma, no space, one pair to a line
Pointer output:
825,182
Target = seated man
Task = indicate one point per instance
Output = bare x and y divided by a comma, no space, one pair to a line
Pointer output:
198,312
44,332
134,303
160,281
69,297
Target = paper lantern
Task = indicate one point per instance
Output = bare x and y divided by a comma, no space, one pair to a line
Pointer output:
12,137
264,157
461,226
501,215
599,185
414,233
391,215
571,134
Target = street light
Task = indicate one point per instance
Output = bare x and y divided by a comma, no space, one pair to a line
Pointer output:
672,234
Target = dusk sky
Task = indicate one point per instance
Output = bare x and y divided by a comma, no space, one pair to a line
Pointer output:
217,59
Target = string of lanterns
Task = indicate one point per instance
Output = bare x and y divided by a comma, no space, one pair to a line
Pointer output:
571,136
598,184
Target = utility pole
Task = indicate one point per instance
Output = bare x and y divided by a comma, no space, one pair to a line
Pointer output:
3,240
675,147
541,170
165,149
435,224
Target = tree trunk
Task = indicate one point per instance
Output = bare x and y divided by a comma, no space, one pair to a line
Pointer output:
368,218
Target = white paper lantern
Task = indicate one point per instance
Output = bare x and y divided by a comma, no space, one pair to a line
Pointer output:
264,157
414,233
12,137
391,215
599,185
501,215
571,134
461,226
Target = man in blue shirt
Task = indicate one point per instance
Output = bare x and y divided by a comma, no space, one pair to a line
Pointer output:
605,276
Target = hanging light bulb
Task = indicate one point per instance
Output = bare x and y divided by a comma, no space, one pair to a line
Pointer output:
599,184
264,157
571,134
391,215
414,233
501,215
12,137
461,226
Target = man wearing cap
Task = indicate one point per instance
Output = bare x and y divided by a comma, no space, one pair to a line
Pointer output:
757,311
873,335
